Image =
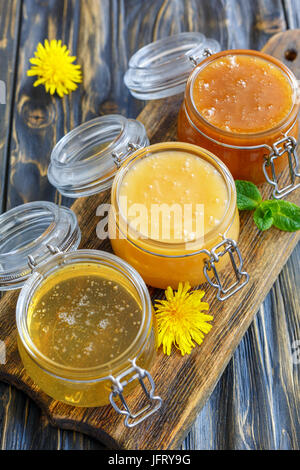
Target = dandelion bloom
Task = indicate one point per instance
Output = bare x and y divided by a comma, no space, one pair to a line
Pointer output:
54,68
180,319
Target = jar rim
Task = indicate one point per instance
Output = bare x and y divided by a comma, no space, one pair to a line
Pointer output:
187,246
102,371
50,207
238,135
26,231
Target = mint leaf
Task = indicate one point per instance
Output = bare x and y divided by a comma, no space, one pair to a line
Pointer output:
283,215
286,215
263,218
248,195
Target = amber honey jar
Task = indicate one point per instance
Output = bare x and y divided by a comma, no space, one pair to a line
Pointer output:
241,105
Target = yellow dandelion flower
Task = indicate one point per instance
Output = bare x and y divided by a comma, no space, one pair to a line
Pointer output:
54,68
180,319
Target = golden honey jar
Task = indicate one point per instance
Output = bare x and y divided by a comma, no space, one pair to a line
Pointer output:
84,317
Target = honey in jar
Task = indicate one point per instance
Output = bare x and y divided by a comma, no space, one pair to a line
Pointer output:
239,104
172,178
242,94
83,318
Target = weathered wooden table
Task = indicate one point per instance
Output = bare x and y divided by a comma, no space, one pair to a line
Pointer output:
255,405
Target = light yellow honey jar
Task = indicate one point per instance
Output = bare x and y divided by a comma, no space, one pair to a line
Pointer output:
84,317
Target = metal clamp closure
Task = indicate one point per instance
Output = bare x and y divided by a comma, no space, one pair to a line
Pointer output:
286,145
118,156
135,372
242,277
196,60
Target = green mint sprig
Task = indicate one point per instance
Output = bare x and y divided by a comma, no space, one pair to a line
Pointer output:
283,215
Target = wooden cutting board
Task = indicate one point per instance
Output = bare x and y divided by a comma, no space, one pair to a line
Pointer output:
184,383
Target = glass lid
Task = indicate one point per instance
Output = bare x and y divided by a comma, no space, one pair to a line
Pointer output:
29,235
162,68
85,161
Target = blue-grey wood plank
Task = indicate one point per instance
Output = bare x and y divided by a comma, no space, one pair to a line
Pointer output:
255,405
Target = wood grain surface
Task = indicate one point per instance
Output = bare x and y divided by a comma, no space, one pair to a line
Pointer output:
244,410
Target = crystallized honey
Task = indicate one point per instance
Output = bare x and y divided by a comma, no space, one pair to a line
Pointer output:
79,318
237,105
179,180
172,175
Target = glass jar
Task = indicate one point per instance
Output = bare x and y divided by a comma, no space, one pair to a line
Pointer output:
161,69
38,243
248,156
162,263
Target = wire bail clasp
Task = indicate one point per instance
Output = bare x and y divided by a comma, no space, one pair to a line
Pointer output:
196,59
242,277
286,145
118,385
118,156
32,263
